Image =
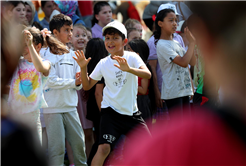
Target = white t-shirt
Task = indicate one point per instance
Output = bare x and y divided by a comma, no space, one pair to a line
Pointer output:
176,79
121,88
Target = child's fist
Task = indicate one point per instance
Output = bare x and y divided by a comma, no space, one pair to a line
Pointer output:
28,37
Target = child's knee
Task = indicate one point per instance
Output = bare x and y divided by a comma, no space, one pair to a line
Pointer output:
104,149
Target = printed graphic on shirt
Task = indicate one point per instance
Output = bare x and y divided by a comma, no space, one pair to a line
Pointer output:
109,138
25,85
120,80
180,71
66,61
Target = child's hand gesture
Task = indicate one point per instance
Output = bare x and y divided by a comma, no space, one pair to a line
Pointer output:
28,37
78,80
189,35
81,60
123,65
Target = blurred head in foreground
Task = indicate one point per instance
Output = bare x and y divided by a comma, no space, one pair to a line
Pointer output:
221,37
16,139
209,136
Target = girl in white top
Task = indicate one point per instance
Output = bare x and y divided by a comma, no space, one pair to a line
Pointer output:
173,60
26,89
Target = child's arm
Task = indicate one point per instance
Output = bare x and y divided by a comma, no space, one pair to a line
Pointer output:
188,57
87,82
99,94
142,71
144,86
193,60
56,82
41,66
158,100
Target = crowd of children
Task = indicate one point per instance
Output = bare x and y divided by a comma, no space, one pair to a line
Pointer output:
81,89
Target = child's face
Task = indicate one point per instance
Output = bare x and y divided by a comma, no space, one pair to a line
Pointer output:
65,34
134,35
104,16
48,8
139,28
89,35
79,39
114,44
19,13
169,23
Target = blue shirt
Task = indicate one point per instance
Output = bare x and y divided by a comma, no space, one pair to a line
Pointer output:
45,24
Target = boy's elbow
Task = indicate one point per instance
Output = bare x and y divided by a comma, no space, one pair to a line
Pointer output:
149,75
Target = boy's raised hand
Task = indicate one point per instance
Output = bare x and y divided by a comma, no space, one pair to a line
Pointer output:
80,59
189,35
28,37
123,65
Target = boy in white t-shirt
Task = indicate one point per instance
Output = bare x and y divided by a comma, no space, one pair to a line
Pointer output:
119,112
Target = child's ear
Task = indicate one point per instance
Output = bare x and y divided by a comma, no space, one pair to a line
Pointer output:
160,23
55,32
125,42
96,16
38,47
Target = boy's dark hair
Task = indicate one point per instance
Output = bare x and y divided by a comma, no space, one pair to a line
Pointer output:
97,9
159,17
59,21
112,31
43,3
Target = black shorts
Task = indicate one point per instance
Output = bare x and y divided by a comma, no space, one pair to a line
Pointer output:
113,125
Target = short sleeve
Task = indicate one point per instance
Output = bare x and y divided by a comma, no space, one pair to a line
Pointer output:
96,73
179,39
166,51
101,81
137,62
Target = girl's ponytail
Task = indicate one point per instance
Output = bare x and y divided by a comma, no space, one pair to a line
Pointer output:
46,39
160,17
56,47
